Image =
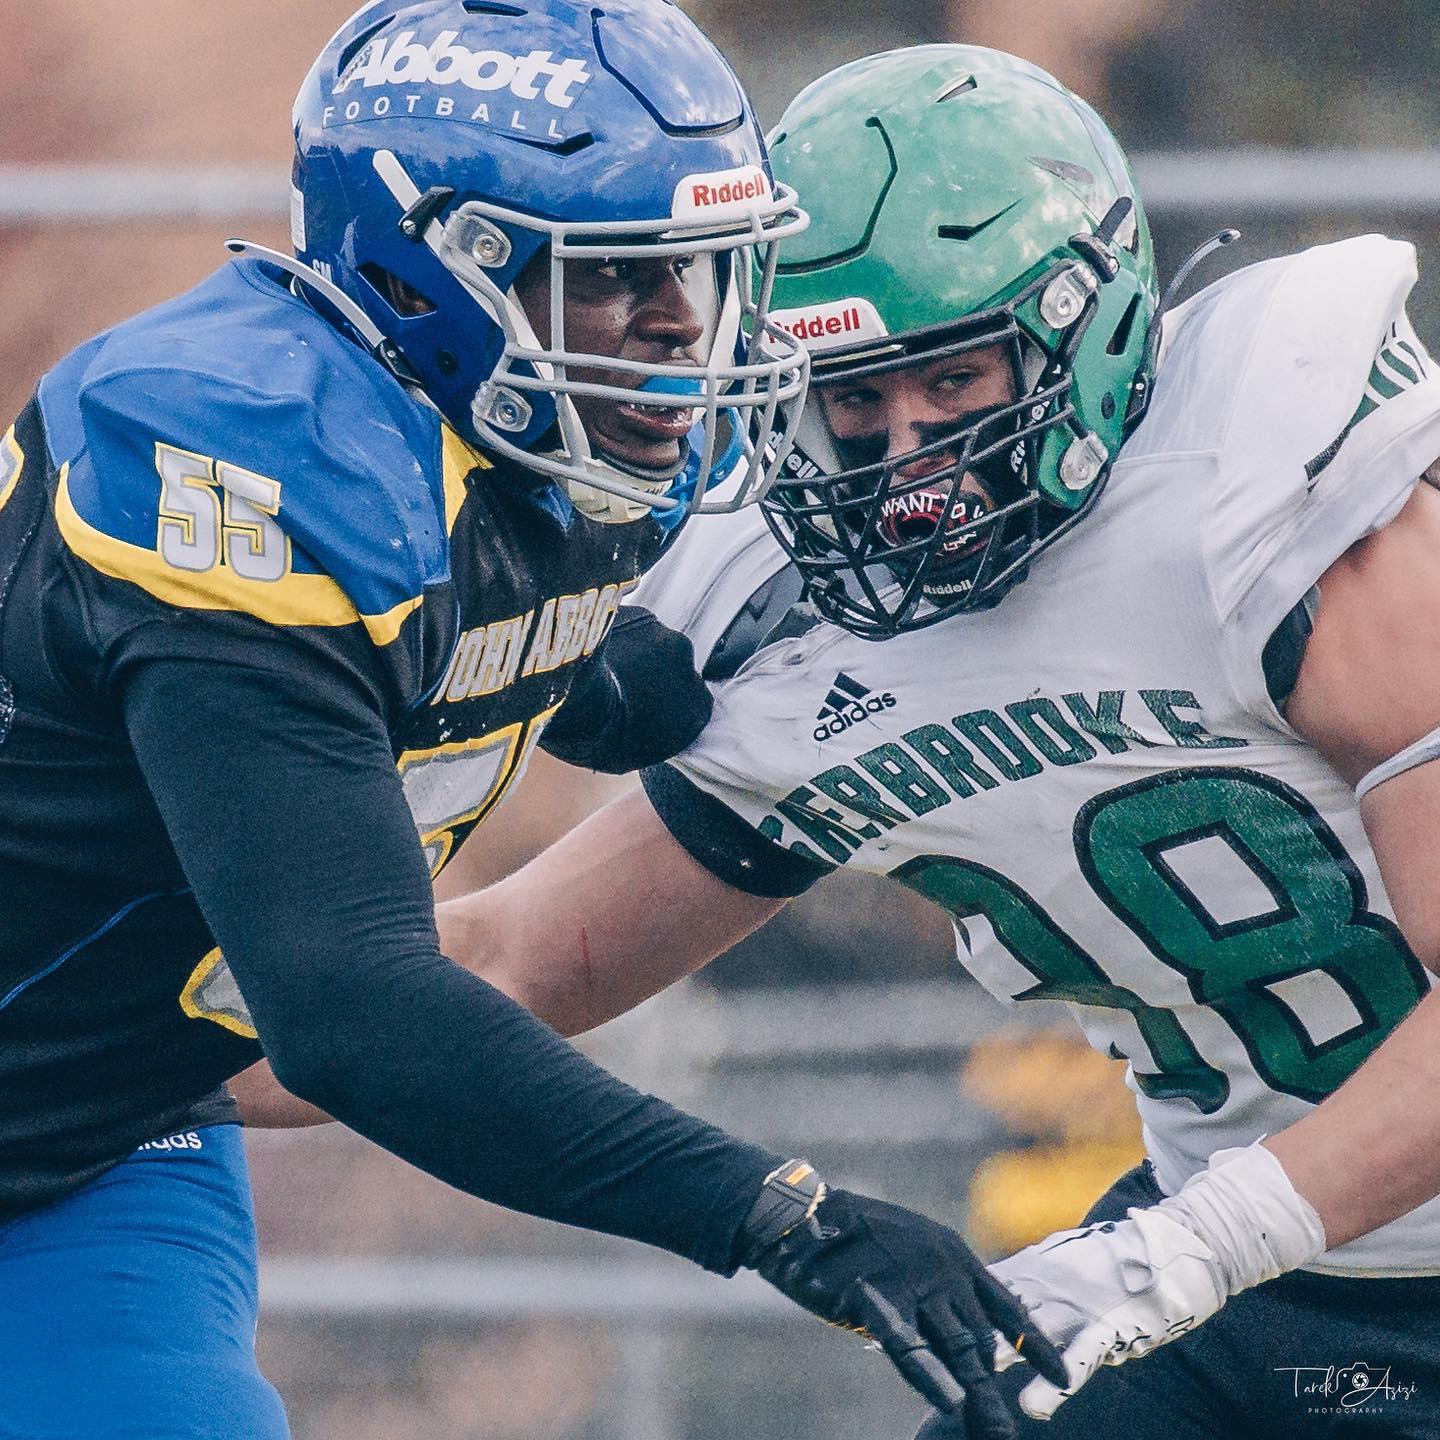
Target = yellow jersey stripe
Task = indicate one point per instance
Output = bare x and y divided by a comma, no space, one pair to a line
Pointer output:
457,461
233,1017
382,629
292,600
11,464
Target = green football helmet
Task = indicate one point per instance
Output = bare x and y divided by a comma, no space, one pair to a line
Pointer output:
977,290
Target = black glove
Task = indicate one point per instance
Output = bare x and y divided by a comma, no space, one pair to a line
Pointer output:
904,1281
638,701
947,1427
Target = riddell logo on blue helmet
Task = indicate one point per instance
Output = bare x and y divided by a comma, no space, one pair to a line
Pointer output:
720,194
400,60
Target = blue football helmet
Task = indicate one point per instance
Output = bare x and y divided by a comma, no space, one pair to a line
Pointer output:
444,146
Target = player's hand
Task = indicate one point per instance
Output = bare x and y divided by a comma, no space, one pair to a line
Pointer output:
910,1285
1109,1292
1123,1287
639,701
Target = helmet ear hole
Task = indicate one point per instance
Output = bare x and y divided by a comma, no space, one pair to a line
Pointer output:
403,298
1120,339
359,42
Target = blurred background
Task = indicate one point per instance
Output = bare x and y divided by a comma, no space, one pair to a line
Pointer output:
133,139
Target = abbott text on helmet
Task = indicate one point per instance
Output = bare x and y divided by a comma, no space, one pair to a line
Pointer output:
402,61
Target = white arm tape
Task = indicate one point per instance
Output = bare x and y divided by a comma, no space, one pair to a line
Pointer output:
1245,1209
1424,750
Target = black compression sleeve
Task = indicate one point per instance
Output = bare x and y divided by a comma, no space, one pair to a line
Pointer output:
727,846
282,801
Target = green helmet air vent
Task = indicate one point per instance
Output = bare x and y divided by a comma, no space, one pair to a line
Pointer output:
969,232
1071,174
960,87
841,221
1120,339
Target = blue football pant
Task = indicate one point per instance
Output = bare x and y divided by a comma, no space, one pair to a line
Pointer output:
128,1309
1303,1356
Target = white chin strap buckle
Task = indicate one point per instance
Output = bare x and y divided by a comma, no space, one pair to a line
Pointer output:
503,408
1082,462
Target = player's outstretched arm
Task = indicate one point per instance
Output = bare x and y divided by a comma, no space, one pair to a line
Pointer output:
609,915
1368,689
277,787
302,853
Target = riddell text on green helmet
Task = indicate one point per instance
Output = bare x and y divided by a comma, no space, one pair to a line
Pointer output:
977,290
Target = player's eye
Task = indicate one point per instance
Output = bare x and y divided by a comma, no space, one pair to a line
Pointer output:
618,271
955,380
859,398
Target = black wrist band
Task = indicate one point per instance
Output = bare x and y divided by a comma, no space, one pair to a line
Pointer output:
791,1193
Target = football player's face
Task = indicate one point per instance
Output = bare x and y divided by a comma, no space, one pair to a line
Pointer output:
654,309
885,418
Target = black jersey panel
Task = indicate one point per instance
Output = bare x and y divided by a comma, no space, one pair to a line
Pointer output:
727,846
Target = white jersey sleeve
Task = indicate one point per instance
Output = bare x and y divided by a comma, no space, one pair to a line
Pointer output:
721,584
1328,415
709,574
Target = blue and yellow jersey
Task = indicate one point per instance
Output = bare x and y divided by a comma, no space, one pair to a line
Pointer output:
231,453
228,479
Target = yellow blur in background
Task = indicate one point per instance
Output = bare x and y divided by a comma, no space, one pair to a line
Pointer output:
1074,1106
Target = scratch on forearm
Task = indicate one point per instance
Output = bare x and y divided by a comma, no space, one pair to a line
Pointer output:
587,970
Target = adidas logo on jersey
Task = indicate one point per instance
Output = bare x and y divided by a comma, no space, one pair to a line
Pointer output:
847,704
401,61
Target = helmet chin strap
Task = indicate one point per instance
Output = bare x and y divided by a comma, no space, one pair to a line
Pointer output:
659,475
1140,399
383,349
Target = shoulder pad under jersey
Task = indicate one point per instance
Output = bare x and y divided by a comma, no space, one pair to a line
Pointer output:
1303,385
230,450
722,581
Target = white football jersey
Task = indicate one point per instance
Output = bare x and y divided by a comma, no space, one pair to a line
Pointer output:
1091,776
